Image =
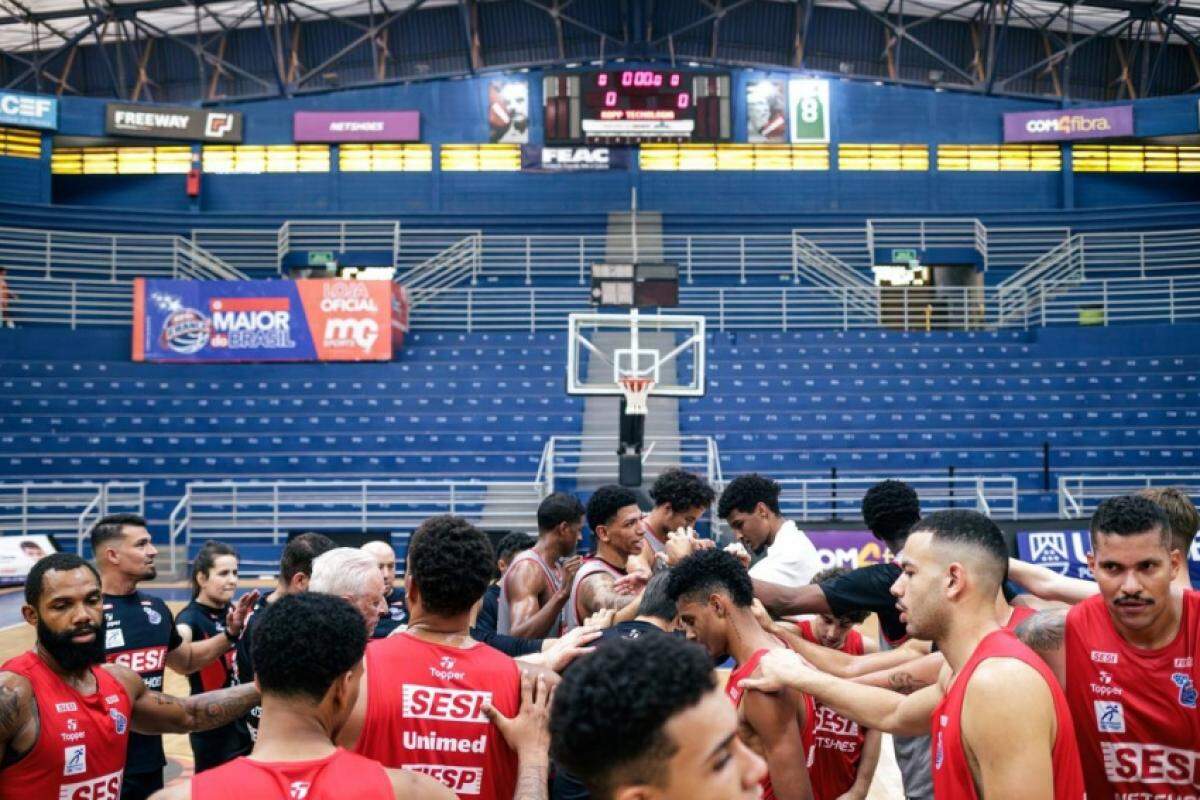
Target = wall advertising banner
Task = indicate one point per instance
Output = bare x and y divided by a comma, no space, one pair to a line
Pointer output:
508,112
28,111
808,99
356,126
278,320
1056,125
766,111
535,158
173,122
850,549
18,554
1066,552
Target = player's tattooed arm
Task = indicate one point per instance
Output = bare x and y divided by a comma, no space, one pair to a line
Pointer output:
1045,632
597,593
154,712
18,717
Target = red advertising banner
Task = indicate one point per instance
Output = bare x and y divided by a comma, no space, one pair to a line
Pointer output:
349,320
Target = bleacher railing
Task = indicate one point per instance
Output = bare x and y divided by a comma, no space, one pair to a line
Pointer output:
593,458
1078,495
810,499
65,508
72,255
267,511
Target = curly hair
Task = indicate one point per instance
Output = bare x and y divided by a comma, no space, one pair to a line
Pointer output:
513,543
745,492
609,716
682,490
304,642
1129,515
707,571
605,502
451,563
35,581
890,509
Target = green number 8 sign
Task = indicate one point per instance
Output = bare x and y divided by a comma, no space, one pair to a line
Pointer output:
809,101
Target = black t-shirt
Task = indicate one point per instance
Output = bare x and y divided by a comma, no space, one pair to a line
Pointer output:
245,664
139,631
397,614
489,611
221,744
868,589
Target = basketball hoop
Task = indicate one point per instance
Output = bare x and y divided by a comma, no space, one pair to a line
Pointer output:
636,390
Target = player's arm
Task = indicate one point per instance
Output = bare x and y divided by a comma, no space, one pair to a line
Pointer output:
18,717
528,619
597,593
191,656
783,601
154,712
869,706
1048,584
1008,730
907,678
867,763
1045,633
528,734
844,665
412,785
774,720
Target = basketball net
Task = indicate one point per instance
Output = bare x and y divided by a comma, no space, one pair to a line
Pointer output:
636,391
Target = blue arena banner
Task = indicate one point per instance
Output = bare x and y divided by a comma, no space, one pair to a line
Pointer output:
277,320
28,111
1066,551
535,158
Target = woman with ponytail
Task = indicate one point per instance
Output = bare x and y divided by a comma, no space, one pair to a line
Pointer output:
214,582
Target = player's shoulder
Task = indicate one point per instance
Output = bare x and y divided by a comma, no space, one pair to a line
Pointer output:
1004,676
123,675
16,690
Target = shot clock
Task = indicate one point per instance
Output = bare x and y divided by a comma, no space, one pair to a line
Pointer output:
636,105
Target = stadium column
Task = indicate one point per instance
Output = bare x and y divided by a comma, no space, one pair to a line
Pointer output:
1068,176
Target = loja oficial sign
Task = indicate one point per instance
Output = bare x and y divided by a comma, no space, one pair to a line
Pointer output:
1056,125
276,320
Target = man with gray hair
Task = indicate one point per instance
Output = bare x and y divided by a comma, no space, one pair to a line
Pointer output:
397,608
353,575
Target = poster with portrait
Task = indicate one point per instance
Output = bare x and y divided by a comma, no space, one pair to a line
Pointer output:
766,111
18,554
508,111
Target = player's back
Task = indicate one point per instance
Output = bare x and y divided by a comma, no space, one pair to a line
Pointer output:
952,776
82,739
425,713
1136,712
341,775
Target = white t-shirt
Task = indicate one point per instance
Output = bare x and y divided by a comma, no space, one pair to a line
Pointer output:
791,561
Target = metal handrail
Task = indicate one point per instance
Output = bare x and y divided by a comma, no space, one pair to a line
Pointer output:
813,498
1078,495
567,457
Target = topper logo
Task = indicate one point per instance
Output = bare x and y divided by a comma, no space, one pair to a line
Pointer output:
1150,763
217,124
463,780
445,705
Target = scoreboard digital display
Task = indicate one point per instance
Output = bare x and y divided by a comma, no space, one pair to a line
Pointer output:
637,105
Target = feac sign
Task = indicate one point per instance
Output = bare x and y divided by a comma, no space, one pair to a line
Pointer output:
576,156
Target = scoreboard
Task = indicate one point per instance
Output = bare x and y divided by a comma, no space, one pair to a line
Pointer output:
627,106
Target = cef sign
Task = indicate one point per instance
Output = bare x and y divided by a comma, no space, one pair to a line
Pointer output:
28,111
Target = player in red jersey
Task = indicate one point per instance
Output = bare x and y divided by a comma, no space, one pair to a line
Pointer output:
680,500
644,719
842,755
713,595
65,715
999,720
614,517
423,700
1128,658
535,588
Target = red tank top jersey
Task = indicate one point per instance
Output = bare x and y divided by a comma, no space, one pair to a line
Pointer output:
735,693
1136,715
341,775
554,579
425,713
952,779
80,749
591,566
1019,614
837,743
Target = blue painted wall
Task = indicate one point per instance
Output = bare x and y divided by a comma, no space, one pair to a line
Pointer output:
454,111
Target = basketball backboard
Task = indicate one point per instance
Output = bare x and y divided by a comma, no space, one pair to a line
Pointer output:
667,348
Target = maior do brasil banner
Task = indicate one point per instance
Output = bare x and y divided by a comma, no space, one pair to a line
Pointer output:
277,320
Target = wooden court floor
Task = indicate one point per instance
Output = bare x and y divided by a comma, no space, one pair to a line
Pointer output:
19,637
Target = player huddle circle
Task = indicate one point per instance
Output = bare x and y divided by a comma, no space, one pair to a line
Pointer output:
530,671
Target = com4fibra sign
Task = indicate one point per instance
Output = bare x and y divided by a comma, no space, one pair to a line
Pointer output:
28,111
1057,125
